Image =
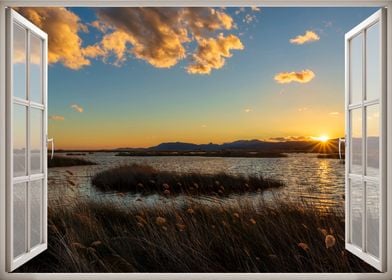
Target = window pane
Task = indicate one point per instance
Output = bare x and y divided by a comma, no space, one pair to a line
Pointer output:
36,140
35,69
373,62
19,219
372,140
19,140
19,62
356,141
356,62
356,190
35,212
373,217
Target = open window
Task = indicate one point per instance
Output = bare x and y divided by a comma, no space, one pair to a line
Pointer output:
366,140
26,140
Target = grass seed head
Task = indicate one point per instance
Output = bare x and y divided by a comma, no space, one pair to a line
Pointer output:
160,221
330,241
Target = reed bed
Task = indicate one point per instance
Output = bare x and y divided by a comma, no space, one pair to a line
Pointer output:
194,237
146,180
66,161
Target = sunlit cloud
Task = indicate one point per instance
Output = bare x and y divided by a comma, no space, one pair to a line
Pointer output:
77,108
334,114
303,109
203,126
160,36
63,27
212,53
248,110
290,138
309,36
304,76
56,118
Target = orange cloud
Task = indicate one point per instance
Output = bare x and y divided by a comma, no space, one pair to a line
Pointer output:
248,110
156,35
62,27
56,118
211,53
290,138
334,114
77,108
309,36
304,76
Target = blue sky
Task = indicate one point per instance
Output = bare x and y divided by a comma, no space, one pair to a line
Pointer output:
134,103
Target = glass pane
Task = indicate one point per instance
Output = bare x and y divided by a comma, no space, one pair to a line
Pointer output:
35,69
19,219
373,62
356,141
356,190
356,62
19,62
19,140
36,140
35,212
373,217
373,140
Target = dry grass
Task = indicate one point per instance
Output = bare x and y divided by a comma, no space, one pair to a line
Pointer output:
91,237
146,180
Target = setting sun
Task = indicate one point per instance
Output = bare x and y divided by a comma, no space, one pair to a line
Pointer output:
322,138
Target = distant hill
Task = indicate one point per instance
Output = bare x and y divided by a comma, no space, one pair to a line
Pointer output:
247,145
254,145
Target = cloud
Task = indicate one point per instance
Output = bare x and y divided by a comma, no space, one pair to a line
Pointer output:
248,110
203,125
212,53
334,114
249,18
158,36
240,10
56,118
303,109
63,27
304,76
309,36
289,138
77,108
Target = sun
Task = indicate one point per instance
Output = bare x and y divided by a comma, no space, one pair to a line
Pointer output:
322,138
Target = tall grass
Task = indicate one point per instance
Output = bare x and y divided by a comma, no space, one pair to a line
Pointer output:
243,237
146,180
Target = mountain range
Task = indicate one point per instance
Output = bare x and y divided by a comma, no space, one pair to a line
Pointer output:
247,145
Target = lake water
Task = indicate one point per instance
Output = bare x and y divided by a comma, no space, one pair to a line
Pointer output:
319,182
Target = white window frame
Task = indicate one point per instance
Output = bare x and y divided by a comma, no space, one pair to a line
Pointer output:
12,261
190,3
379,263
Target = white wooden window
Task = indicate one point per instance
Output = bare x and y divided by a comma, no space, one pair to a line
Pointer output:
366,140
366,114
26,140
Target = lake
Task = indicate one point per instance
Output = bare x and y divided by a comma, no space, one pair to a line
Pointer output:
319,182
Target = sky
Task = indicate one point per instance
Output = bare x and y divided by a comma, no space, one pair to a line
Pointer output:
137,77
